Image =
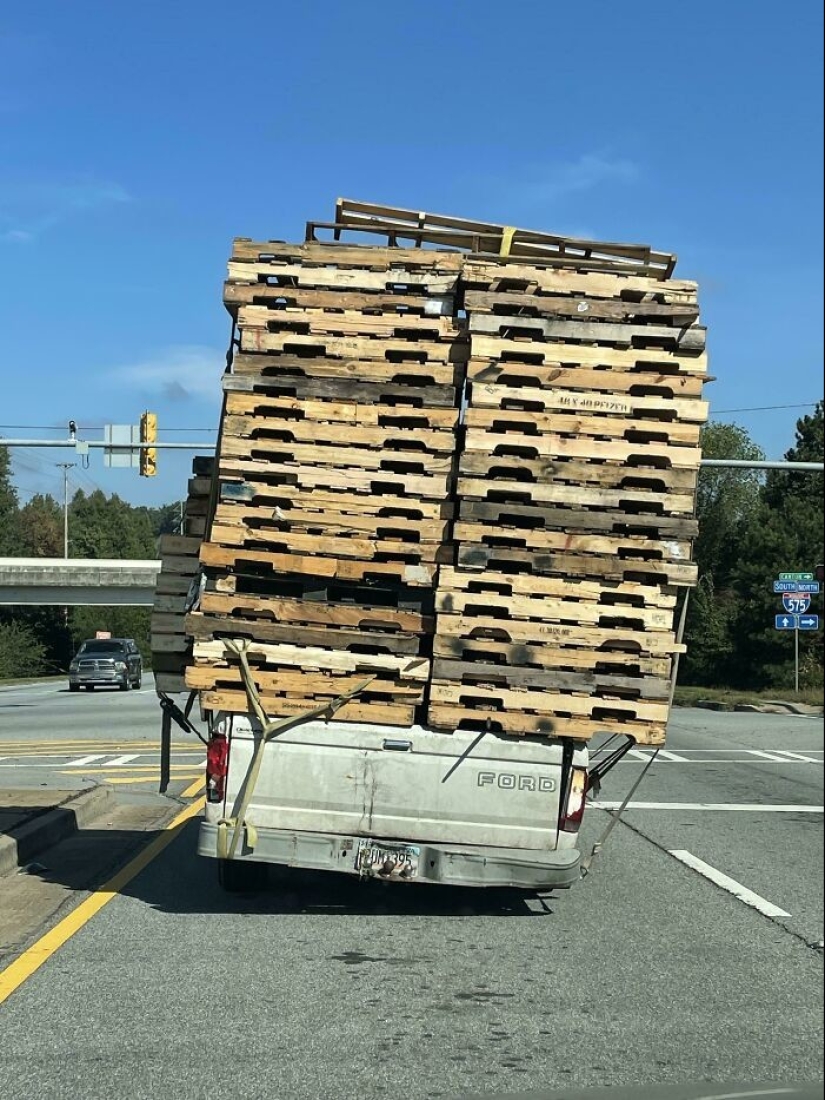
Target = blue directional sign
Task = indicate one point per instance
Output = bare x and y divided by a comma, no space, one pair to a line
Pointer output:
784,622
796,586
809,622
796,603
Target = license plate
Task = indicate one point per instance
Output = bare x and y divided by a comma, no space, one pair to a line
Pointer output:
384,861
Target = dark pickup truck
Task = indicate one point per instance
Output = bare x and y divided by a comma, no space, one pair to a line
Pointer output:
106,662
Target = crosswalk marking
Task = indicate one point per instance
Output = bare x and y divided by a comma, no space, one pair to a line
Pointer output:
800,756
119,761
83,761
767,756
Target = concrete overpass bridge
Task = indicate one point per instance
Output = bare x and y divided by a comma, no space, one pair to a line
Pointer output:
77,582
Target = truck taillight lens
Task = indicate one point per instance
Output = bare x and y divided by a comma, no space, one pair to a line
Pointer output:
573,811
217,767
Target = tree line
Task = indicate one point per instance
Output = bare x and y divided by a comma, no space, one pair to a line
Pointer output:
751,527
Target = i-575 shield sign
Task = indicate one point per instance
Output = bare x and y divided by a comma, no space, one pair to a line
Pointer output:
796,603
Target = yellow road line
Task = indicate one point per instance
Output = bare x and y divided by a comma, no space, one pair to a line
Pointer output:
144,779
121,769
197,786
33,958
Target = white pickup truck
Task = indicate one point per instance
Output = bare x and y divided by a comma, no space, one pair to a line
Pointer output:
408,805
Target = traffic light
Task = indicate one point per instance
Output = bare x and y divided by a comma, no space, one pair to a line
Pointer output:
148,434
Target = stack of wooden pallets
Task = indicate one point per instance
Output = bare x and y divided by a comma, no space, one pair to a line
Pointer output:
576,497
179,567
335,469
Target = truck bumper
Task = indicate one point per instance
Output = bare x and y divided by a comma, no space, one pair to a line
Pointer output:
437,863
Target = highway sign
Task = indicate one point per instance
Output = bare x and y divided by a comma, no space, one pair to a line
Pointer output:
809,622
796,603
796,586
784,622
796,576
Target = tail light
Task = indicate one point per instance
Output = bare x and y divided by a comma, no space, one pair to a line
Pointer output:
573,810
217,767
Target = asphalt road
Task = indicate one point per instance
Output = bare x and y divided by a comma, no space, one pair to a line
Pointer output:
647,971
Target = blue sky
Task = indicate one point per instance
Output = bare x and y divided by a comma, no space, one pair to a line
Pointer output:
136,140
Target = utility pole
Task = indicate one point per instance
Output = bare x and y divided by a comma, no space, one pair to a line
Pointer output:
65,467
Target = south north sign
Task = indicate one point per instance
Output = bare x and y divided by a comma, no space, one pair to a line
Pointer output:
811,587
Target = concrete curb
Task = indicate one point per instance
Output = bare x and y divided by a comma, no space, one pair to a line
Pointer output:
769,706
23,843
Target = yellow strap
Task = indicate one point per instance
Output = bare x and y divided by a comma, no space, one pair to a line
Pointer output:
269,730
507,235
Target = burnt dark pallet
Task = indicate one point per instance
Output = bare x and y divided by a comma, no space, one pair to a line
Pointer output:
520,560
590,681
372,638
256,378
491,651
323,591
262,564
513,515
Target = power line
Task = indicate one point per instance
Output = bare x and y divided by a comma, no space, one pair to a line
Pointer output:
766,408
88,427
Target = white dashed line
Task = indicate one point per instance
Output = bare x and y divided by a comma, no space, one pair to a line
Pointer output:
83,761
772,756
120,760
747,807
729,884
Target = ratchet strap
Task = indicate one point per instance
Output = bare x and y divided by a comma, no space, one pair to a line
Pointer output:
507,234
269,730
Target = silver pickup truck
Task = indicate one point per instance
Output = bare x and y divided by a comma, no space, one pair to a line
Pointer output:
467,808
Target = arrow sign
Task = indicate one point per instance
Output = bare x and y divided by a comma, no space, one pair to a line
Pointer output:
796,586
796,576
796,603
809,622
784,622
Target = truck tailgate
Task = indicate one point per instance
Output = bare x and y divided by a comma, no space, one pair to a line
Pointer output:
363,780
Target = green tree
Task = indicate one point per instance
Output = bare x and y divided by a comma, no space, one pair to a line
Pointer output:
21,653
726,501
9,546
40,525
784,535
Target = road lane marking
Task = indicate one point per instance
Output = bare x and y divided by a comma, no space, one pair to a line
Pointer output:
145,779
767,756
195,788
19,971
84,760
799,756
729,884
119,761
747,807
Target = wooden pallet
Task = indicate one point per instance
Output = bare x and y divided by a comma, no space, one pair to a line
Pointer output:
526,278
290,515
312,687
234,560
551,330
445,716
473,674
499,626
351,480
629,499
529,425
263,375
339,456
352,348
661,382
266,655
518,517
556,658
508,559
241,395
504,241
377,371
383,302
379,713
348,503
322,600
394,325
594,404
581,306
287,539
273,254
616,595
515,468
553,445
491,609
376,636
